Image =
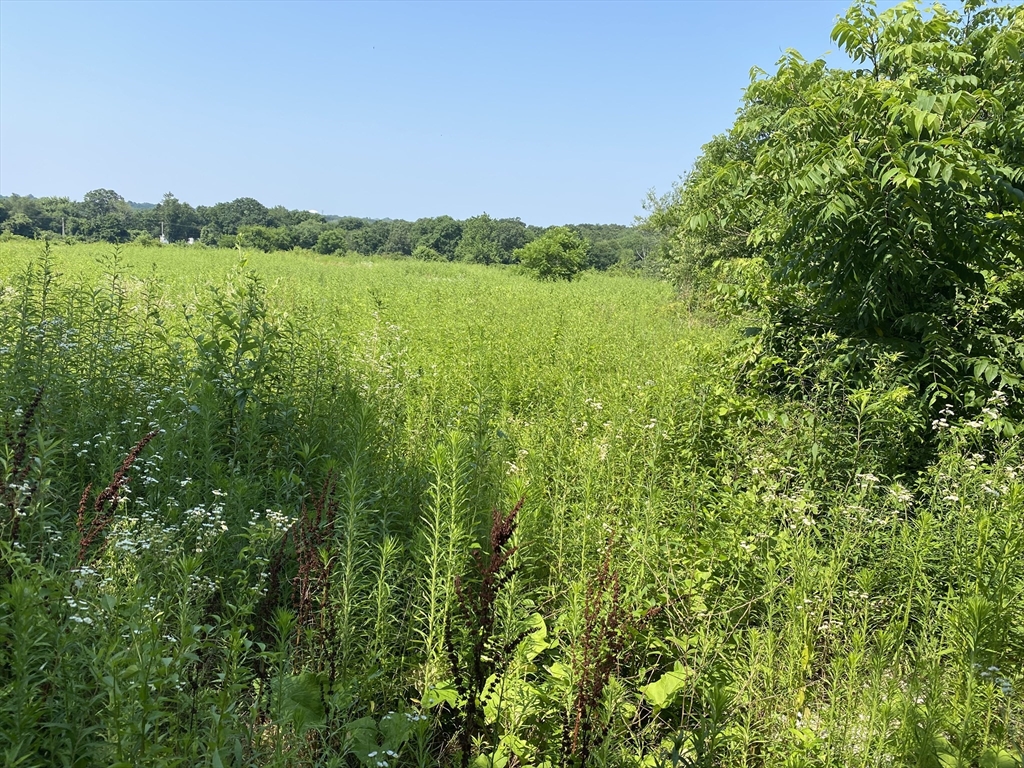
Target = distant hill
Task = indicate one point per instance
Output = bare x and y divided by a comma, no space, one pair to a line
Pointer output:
141,206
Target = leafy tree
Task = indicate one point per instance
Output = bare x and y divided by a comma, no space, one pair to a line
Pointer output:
443,236
510,235
371,238
51,212
18,224
478,243
210,234
333,240
700,238
400,238
490,241
307,232
266,238
145,239
104,202
558,254
107,216
350,223
227,218
180,220
884,203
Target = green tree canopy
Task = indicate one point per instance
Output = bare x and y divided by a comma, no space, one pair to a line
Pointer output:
443,236
558,254
884,203
332,240
490,241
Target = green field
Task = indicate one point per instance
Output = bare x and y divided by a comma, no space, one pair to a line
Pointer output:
306,567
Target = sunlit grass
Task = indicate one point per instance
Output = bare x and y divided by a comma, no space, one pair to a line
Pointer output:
333,434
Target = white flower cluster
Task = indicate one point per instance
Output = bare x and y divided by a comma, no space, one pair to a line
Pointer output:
378,758
275,519
210,521
81,610
944,416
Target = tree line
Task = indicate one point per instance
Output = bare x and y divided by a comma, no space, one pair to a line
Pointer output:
104,215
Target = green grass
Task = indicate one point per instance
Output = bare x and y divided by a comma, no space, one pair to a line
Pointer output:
703,576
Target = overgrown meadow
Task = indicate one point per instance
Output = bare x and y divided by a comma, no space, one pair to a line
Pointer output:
290,510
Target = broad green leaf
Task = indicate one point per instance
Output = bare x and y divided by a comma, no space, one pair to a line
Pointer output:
1001,758
444,693
662,692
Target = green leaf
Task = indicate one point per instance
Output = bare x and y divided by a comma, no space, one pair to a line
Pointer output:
1002,758
300,700
537,641
444,693
396,728
560,671
662,692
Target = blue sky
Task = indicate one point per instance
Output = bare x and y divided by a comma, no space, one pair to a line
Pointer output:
553,112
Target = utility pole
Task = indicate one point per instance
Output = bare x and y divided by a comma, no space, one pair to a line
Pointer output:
62,226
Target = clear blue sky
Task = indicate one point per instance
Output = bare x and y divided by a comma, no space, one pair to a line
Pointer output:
553,112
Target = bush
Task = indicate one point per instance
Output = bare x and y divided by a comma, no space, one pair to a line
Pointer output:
558,254
885,204
426,253
332,241
145,239
266,238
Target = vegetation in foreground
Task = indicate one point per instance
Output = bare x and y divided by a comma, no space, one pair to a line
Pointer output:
344,512
308,511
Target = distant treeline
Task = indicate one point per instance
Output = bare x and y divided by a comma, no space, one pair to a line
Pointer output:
103,215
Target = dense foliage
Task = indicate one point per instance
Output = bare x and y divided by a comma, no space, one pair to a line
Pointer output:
878,213
247,521
558,254
310,508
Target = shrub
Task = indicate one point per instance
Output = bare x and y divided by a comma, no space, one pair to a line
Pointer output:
558,254
332,241
886,202
426,253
